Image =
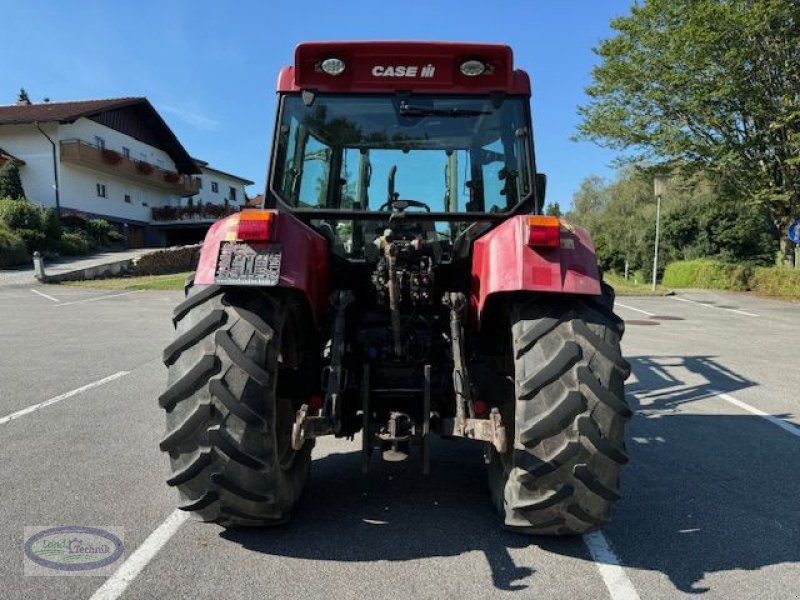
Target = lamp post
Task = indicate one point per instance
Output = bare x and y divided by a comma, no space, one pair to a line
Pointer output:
659,185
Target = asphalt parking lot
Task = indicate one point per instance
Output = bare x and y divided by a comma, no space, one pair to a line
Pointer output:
711,497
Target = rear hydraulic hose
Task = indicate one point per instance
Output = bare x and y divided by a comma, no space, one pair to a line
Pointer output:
457,302
394,297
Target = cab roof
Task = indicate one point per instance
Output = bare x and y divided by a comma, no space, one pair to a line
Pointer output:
385,66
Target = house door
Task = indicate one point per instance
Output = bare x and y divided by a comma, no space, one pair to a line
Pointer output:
135,236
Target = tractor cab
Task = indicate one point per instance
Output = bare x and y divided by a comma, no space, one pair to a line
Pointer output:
420,140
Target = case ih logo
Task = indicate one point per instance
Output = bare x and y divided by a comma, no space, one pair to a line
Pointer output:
403,71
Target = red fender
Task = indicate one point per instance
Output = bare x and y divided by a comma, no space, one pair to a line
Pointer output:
502,261
304,264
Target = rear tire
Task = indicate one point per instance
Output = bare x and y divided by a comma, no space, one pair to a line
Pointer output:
228,433
568,413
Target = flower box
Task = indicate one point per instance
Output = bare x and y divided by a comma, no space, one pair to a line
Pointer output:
112,157
144,167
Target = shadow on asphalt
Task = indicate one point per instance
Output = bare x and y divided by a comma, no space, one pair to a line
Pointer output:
703,493
656,378
395,513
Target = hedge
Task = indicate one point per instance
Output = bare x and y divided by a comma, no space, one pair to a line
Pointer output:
73,244
714,274
777,281
13,251
707,273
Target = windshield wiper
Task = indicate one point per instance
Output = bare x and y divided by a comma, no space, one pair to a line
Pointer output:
410,110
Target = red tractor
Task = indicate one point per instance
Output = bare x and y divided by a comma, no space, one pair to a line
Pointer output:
401,281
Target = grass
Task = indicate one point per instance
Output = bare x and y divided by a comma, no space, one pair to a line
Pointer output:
633,287
176,281
769,281
149,282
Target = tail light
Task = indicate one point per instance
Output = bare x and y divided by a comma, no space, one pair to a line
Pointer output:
544,232
480,407
315,403
256,225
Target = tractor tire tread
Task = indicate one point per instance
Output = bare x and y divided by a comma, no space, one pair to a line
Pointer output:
570,414
221,410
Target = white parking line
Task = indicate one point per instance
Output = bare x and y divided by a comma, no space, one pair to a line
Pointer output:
75,392
639,310
617,583
733,310
785,425
116,584
43,295
97,298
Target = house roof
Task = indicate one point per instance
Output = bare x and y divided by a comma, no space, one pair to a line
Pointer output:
204,166
68,112
7,156
63,112
255,202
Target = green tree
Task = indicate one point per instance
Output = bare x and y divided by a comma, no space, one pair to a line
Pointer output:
618,215
706,85
589,201
702,216
10,183
714,222
51,225
553,209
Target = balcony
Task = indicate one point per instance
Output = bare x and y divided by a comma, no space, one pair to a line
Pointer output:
187,214
83,154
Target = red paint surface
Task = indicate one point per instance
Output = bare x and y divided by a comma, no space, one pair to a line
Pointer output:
503,262
304,264
362,57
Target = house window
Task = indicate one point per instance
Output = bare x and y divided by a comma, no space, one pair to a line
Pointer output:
128,198
99,142
214,187
199,183
101,190
126,152
232,194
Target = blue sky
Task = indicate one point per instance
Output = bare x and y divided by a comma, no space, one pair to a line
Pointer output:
210,67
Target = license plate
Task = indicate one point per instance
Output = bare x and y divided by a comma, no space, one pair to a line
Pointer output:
257,263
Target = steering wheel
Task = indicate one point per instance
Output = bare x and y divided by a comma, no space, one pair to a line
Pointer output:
401,205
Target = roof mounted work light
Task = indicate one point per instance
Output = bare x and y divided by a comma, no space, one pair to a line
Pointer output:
332,66
473,68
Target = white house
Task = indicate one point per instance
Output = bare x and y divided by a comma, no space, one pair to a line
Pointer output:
218,193
118,160
219,187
